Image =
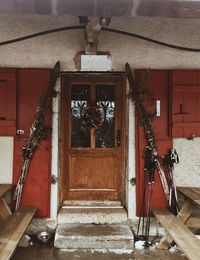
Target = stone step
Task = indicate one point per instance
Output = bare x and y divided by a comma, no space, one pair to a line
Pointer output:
91,203
88,236
100,215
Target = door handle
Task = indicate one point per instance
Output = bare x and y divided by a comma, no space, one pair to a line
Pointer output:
118,137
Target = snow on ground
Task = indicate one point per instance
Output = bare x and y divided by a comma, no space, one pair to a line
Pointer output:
103,251
173,249
140,245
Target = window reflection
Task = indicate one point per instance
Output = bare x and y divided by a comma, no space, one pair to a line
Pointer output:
80,100
105,134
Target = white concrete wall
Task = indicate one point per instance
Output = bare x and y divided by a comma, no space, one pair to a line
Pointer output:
44,51
187,172
6,159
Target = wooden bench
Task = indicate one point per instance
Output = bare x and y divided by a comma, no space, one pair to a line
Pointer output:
5,211
179,233
14,225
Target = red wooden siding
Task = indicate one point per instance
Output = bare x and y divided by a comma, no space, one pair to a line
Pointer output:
31,83
7,102
186,103
36,190
157,85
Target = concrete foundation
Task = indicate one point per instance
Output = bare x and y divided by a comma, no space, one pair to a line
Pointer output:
90,236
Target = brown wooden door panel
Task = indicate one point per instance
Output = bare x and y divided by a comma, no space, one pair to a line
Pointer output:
92,173
92,155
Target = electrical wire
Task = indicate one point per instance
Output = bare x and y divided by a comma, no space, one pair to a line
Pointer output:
79,27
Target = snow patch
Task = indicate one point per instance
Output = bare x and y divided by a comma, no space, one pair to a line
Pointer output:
68,250
103,251
115,251
140,244
173,249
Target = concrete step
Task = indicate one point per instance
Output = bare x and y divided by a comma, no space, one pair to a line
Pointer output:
88,236
91,203
89,215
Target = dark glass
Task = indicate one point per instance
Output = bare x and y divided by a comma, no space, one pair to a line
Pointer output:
105,98
80,100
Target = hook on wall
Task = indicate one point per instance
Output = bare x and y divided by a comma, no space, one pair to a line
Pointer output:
191,137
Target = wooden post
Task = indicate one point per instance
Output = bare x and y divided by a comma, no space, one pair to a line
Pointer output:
5,211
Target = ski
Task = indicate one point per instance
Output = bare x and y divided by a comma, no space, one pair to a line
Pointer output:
151,163
168,161
144,118
38,132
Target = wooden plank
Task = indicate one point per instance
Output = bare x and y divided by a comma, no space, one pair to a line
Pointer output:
1,223
180,233
197,190
12,232
183,216
4,188
5,211
193,223
191,193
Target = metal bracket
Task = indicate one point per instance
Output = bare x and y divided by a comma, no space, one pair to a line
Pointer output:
133,181
54,179
20,131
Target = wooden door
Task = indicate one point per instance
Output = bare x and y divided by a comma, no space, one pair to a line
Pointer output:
92,137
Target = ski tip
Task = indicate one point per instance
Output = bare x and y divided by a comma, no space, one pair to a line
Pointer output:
129,74
57,66
56,70
128,71
127,67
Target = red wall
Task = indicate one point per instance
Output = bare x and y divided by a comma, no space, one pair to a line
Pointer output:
186,103
19,99
20,90
7,102
157,87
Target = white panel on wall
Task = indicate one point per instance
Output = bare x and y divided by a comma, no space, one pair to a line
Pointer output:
6,159
187,172
96,63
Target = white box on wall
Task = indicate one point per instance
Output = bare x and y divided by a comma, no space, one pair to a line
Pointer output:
6,159
96,63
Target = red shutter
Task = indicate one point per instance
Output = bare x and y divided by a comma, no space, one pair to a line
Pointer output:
185,103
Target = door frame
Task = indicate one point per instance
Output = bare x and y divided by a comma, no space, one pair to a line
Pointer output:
123,129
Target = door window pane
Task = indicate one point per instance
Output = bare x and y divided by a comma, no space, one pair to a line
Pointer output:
105,98
80,100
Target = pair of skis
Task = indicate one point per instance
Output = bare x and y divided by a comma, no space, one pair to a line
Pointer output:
152,160
38,132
